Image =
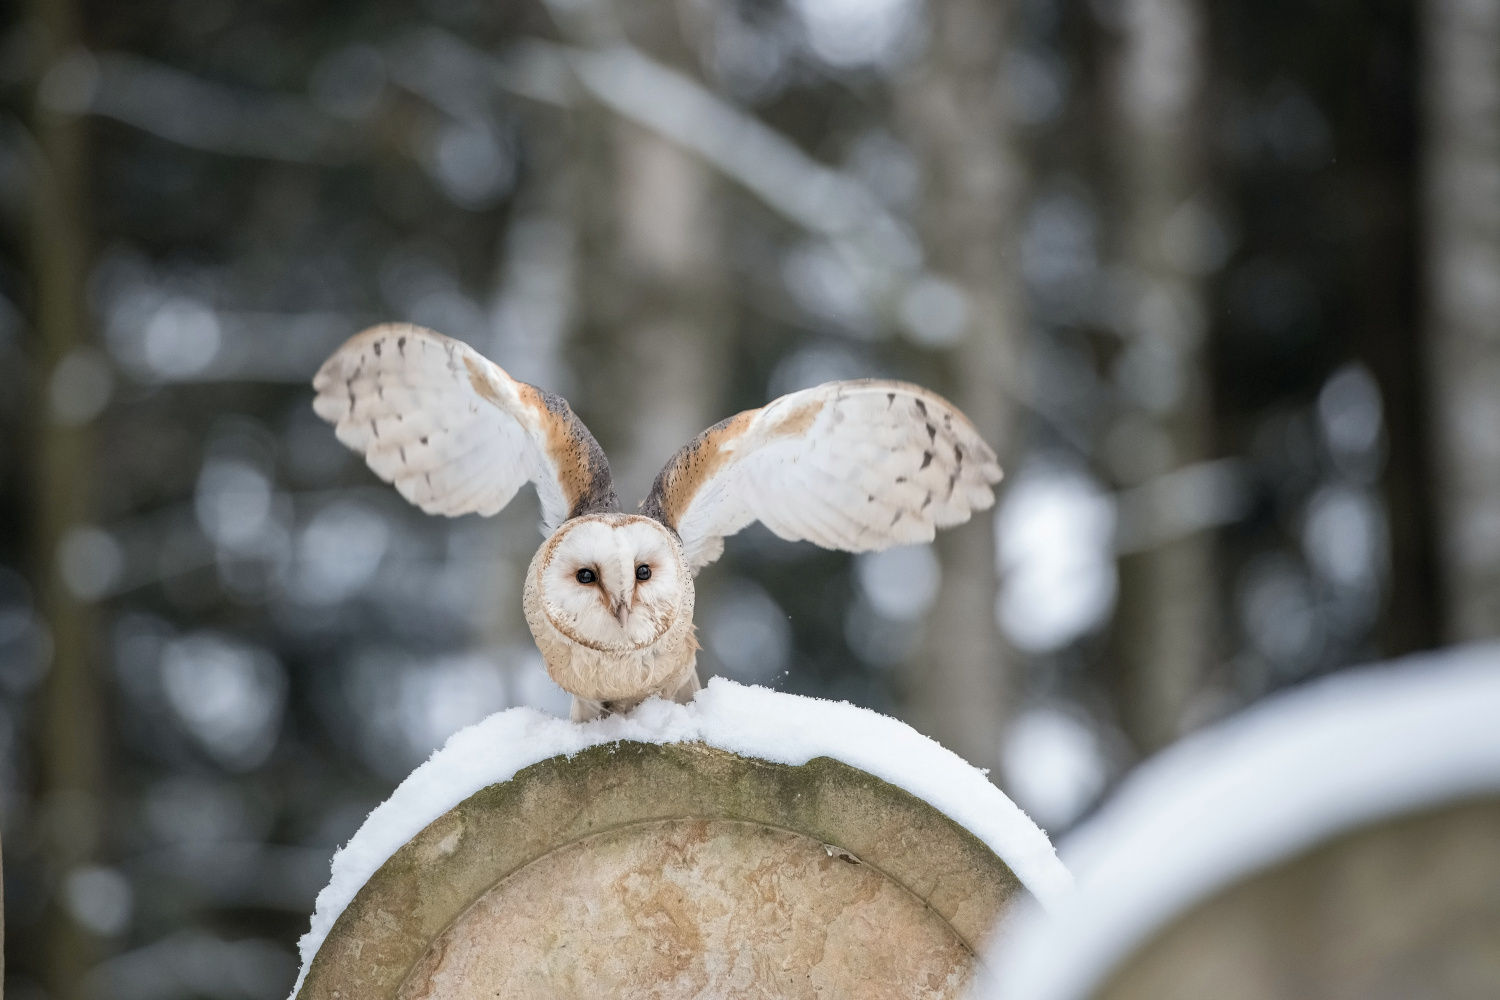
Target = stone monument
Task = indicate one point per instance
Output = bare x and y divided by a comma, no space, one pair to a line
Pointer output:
646,864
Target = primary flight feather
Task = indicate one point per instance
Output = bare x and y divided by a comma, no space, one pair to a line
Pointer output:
859,466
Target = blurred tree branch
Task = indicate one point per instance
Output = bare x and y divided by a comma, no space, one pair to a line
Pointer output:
199,114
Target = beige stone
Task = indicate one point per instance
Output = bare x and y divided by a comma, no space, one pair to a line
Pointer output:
638,870
687,908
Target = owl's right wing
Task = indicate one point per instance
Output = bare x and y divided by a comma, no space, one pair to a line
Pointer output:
453,432
857,466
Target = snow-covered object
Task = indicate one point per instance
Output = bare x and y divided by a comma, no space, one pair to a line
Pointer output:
1250,792
749,721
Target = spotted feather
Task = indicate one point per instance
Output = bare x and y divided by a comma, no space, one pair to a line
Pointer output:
453,432
858,466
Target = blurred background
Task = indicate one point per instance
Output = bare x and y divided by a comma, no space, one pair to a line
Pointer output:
1220,281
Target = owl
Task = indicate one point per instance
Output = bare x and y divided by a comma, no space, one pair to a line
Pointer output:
859,466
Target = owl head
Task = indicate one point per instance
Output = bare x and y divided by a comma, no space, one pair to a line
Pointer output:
613,582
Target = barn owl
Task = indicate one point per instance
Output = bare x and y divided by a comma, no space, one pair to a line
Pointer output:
858,466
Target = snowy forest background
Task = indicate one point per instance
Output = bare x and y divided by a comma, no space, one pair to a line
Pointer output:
1219,278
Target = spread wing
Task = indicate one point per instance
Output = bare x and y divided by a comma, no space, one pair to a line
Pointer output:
847,465
453,431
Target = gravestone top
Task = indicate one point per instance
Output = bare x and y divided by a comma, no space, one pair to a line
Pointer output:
751,722
678,870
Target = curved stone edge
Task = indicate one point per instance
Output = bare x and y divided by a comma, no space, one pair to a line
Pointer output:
414,896
1290,773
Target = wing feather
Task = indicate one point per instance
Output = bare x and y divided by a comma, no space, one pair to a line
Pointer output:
453,432
849,465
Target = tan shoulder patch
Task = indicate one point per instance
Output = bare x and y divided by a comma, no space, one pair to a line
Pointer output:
799,420
479,379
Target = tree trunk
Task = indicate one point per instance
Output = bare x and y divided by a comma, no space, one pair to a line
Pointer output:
1165,613
673,322
1463,318
656,319
950,110
63,460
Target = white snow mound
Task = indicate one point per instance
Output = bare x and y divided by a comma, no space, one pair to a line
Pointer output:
749,721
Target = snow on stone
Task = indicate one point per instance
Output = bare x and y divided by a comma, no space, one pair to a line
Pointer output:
749,721
1250,792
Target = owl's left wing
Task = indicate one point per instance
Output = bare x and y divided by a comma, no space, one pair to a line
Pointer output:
857,466
453,432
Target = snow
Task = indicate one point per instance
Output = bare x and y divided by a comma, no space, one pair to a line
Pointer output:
1253,791
749,721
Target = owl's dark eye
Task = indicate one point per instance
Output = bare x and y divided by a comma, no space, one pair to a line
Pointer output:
586,576
643,572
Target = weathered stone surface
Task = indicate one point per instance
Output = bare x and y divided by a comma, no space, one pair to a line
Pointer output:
689,908
1406,908
673,871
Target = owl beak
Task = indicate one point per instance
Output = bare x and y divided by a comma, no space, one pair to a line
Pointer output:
622,612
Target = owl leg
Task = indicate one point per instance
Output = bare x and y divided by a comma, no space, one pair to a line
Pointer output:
690,687
586,709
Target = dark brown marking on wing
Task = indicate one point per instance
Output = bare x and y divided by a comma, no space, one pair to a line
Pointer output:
894,387
926,459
